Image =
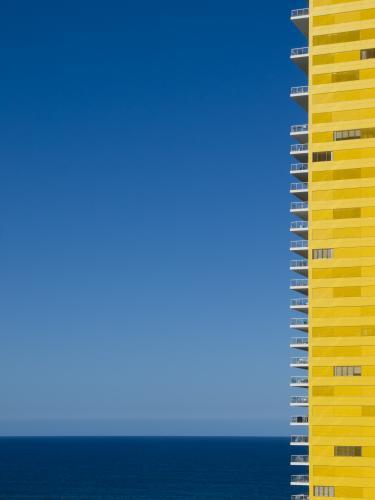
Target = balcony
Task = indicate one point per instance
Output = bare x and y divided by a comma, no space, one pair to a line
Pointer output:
300,266
299,420
300,133
299,460
300,95
300,56
300,18
301,305
299,401
300,247
300,171
299,363
299,497
300,343
299,440
299,324
300,285
300,209
300,228
299,480
300,189
300,152
302,382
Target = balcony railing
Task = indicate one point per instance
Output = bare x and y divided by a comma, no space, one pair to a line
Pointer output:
299,497
299,302
300,51
299,420
299,244
300,361
299,282
299,380
299,341
299,205
299,224
299,148
299,129
297,167
300,479
299,186
297,264
300,12
299,439
299,322
299,400
299,459
301,90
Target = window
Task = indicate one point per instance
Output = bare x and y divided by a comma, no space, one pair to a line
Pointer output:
347,371
323,156
324,491
322,253
348,451
344,135
367,54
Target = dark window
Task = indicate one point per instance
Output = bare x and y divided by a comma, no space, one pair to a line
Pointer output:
368,54
348,451
322,253
323,156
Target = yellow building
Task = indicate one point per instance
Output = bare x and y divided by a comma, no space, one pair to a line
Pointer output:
334,223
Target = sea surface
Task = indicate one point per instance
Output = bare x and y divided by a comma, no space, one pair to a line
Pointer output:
145,468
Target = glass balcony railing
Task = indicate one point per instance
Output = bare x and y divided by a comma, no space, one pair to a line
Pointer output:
299,420
300,51
299,341
299,205
300,478
299,224
302,89
299,400
299,244
297,167
299,459
299,302
298,129
299,186
299,148
300,12
299,282
300,361
297,264
299,439
299,322
299,380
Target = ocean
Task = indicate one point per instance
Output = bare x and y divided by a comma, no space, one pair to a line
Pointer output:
145,468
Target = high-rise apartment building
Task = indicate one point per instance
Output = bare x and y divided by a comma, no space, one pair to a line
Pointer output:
334,265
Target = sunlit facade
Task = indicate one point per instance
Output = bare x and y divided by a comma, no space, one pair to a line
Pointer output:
333,263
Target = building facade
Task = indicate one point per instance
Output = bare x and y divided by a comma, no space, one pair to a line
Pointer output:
333,211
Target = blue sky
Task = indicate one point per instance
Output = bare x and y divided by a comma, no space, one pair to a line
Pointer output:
144,216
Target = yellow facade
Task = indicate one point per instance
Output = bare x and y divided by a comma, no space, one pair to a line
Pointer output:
341,215
341,219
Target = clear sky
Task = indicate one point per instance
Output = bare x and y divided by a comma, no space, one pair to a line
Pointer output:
144,216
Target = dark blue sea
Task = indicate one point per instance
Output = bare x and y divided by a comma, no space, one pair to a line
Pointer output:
144,468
